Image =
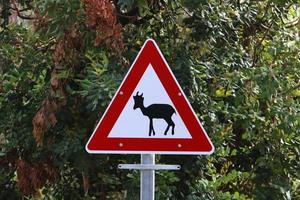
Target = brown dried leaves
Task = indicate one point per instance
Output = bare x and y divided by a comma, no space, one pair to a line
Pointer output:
44,119
65,46
33,176
40,20
100,15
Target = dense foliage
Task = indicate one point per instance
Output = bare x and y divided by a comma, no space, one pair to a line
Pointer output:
237,61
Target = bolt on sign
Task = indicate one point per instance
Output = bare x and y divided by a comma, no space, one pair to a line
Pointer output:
149,113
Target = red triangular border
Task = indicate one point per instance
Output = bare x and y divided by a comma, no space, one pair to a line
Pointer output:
198,144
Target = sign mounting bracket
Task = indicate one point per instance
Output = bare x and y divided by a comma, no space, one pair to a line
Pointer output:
147,171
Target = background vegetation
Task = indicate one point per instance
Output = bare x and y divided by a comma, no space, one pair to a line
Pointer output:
61,62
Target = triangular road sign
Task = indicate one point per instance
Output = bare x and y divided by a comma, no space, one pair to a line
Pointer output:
149,113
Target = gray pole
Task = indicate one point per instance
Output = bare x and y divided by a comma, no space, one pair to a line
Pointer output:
148,168
147,178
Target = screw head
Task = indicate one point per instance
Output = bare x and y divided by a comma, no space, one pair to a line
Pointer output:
179,94
179,145
120,144
121,92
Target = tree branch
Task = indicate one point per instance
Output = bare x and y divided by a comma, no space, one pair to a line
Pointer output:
259,44
293,23
19,12
22,10
297,86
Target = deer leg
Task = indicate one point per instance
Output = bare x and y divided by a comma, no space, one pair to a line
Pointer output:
150,126
173,126
170,123
166,131
151,129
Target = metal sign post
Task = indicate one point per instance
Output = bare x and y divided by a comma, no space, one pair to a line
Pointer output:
148,168
147,178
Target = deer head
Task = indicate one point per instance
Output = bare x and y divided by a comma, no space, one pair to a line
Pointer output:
138,101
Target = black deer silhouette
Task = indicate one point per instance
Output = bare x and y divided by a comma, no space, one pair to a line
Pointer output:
155,111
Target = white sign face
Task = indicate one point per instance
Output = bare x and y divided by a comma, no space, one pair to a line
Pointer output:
132,123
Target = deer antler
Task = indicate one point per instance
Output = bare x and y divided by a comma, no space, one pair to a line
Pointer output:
137,94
